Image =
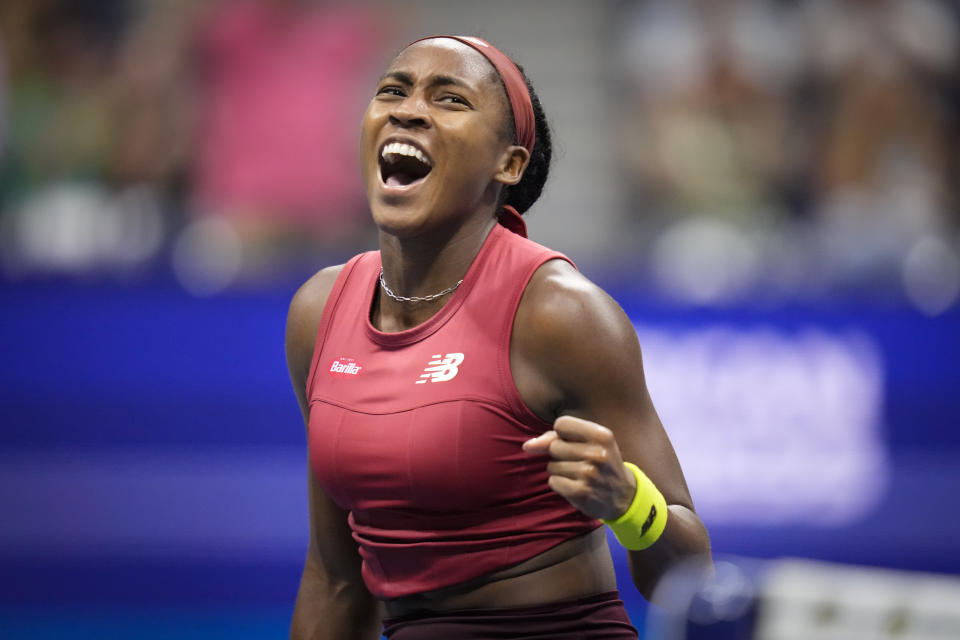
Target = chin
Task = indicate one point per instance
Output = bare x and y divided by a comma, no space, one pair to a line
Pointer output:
398,220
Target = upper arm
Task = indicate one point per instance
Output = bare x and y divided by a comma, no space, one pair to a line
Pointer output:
332,549
303,322
575,352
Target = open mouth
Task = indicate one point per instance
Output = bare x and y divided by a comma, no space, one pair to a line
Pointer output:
402,165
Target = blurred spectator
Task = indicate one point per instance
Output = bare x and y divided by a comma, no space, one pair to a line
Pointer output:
59,63
284,86
882,176
59,214
125,112
707,130
152,97
837,112
714,148
770,148
708,118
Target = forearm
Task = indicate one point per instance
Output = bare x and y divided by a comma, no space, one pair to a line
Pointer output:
326,610
684,539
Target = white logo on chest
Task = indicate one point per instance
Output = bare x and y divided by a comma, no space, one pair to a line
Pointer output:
344,367
441,368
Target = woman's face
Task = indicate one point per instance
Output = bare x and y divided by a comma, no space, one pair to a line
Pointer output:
433,143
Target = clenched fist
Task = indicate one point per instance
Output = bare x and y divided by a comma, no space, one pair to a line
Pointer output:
586,467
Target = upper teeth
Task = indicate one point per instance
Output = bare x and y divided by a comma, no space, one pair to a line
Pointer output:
401,149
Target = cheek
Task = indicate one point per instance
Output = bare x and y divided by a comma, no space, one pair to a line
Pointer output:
478,153
367,144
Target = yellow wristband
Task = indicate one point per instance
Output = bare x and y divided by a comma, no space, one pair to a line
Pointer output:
646,518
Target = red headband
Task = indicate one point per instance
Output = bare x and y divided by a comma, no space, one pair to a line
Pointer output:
520,104
513,80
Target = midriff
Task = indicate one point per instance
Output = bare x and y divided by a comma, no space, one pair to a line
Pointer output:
578,567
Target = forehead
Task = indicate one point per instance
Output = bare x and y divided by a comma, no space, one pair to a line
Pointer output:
444,56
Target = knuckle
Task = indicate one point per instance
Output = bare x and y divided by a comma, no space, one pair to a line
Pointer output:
581,490
554,447
599,455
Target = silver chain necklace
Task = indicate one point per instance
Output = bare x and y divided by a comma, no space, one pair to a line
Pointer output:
432,296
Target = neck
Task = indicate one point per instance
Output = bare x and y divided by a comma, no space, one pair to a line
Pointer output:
422,266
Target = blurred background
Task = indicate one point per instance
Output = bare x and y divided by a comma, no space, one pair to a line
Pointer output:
770,189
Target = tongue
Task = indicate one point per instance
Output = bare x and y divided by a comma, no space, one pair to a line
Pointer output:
399,180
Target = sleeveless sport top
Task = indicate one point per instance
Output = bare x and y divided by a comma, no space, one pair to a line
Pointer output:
418,433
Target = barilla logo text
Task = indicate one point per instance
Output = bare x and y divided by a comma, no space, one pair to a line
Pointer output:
441,368
343,367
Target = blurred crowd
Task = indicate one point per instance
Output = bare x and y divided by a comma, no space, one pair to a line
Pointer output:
796,148
769,148
208,131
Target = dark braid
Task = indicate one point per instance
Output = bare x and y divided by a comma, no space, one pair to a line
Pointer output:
522,195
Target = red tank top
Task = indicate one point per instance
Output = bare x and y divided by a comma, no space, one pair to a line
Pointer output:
418,433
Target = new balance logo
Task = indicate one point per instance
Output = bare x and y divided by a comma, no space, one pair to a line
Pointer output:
441,368
343,367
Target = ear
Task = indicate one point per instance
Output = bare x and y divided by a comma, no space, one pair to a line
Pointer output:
512,164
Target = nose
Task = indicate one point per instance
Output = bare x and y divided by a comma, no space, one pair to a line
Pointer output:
410,113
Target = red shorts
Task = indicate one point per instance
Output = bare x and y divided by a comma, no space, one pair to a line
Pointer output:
596,617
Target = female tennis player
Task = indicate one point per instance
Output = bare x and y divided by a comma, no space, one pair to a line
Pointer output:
476,409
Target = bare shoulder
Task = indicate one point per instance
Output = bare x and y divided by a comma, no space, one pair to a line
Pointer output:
572,343
303,322
565,309
308,302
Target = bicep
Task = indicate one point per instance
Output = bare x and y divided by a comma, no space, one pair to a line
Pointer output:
333,561
587,351
330,540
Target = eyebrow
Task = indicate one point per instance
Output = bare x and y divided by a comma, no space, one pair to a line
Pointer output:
435,81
